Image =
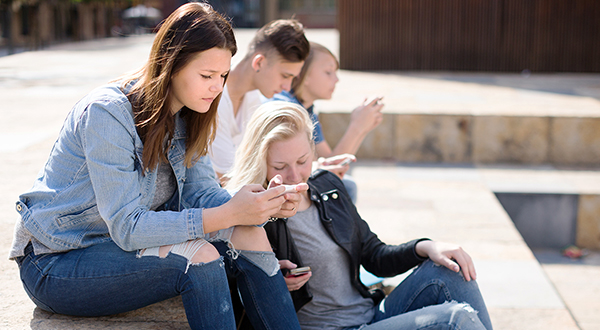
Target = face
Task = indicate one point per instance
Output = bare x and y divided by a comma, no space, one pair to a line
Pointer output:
291,158
321,77
200,81
275,74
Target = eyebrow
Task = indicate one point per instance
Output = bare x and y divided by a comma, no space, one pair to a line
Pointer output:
306,154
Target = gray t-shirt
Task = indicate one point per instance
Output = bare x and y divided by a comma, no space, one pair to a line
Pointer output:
336,303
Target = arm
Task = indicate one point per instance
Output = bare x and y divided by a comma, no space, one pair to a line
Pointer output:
362,121
112,151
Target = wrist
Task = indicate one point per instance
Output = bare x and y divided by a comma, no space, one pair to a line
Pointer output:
422,248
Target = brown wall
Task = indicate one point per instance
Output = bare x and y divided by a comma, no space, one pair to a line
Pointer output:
490,35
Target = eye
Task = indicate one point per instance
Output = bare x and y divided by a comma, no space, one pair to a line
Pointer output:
205,76
278,168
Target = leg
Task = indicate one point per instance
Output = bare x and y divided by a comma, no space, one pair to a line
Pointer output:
104,280
430,284
446,316
262,289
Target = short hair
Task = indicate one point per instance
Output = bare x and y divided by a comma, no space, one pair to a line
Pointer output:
286,36
271,122
299,79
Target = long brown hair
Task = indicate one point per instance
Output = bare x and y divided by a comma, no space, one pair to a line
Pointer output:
192,28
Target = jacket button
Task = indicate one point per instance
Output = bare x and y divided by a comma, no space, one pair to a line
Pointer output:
325,198
334,196
19,208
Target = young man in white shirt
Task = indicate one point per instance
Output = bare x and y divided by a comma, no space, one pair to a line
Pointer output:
275,56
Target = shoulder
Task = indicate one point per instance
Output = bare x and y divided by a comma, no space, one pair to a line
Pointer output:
324,180
110,100
253,98
285,96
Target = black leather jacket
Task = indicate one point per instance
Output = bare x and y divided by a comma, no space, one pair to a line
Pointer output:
345,226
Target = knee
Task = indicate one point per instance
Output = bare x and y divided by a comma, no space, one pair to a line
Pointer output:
206,253
463,316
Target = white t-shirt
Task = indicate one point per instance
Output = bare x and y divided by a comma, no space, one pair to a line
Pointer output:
231,128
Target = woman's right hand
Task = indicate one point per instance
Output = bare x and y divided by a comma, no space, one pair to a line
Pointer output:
253,205
368,115
294,282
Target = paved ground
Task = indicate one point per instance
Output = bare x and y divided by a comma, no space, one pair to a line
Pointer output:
400,201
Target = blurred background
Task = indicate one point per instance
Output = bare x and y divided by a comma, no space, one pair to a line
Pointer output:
457,35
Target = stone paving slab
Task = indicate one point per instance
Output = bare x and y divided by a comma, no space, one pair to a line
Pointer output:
455,205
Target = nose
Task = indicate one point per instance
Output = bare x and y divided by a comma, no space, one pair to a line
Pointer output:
287,85
292,176
336,79
217,87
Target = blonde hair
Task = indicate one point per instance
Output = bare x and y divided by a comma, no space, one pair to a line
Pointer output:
271,122
299,79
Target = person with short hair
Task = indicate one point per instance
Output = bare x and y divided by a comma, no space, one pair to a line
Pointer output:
127,210
328,235
275,56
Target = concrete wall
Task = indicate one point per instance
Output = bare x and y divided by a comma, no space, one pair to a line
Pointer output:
485,139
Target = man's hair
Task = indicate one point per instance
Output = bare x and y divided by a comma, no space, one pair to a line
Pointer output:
286,36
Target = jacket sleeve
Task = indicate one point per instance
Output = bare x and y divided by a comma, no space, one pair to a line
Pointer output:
387,260
375,256
108,137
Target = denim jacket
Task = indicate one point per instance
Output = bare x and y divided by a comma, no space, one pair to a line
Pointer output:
93,187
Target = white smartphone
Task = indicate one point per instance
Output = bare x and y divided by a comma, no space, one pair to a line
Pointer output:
346,162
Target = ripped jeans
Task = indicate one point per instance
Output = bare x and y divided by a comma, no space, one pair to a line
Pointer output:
104,280
432,297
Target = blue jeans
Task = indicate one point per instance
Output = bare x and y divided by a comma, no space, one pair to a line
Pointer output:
432,297
351,187
104,279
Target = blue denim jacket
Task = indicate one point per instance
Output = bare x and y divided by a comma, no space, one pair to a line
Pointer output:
93,187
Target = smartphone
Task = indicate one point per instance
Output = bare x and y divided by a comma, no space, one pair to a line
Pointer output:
297,271
346,162
290,188
374,98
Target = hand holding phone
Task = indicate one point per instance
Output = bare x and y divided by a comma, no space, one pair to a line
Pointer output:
295,272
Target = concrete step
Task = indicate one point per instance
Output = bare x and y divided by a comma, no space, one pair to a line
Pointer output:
453,118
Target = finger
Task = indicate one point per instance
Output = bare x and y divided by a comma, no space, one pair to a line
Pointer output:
464,265
286,264
272,193
275,181
302,187
449,263
255,188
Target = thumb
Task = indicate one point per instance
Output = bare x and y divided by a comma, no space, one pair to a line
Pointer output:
275,181
286,264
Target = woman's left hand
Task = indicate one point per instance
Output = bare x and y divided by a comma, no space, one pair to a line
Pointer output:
292,199
449,255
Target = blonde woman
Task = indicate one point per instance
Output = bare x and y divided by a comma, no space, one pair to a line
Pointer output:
328,234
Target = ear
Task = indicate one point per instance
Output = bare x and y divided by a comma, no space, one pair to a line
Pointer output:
258,61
